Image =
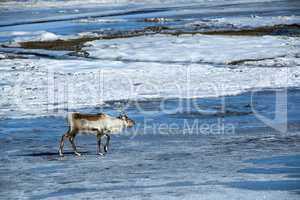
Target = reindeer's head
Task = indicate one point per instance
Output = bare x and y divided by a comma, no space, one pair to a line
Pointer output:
128,122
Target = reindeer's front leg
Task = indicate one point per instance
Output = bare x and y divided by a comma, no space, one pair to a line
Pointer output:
107,143
99,135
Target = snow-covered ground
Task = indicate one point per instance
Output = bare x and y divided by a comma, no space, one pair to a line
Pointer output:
150,67
163,165
195,48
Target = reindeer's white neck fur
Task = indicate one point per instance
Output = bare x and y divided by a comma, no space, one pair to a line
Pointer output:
113,125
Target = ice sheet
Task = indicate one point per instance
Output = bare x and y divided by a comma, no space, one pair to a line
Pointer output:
58,3
33,86
194,48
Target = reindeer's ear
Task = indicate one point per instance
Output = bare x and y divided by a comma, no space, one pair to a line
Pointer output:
121,116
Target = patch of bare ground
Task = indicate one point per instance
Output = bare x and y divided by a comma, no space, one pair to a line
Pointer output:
282,29
76,44
238,62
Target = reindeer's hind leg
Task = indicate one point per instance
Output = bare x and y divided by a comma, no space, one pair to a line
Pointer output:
61,144
71,139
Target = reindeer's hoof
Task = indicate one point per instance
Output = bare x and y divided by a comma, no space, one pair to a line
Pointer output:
60,154
77,154
100,154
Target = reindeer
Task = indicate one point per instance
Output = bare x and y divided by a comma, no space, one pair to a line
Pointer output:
96,124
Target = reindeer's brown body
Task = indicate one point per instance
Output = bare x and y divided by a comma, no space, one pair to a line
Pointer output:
98,124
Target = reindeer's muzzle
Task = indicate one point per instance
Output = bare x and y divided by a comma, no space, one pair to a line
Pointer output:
130,123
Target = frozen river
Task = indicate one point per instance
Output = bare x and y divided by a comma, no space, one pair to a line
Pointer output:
177,161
